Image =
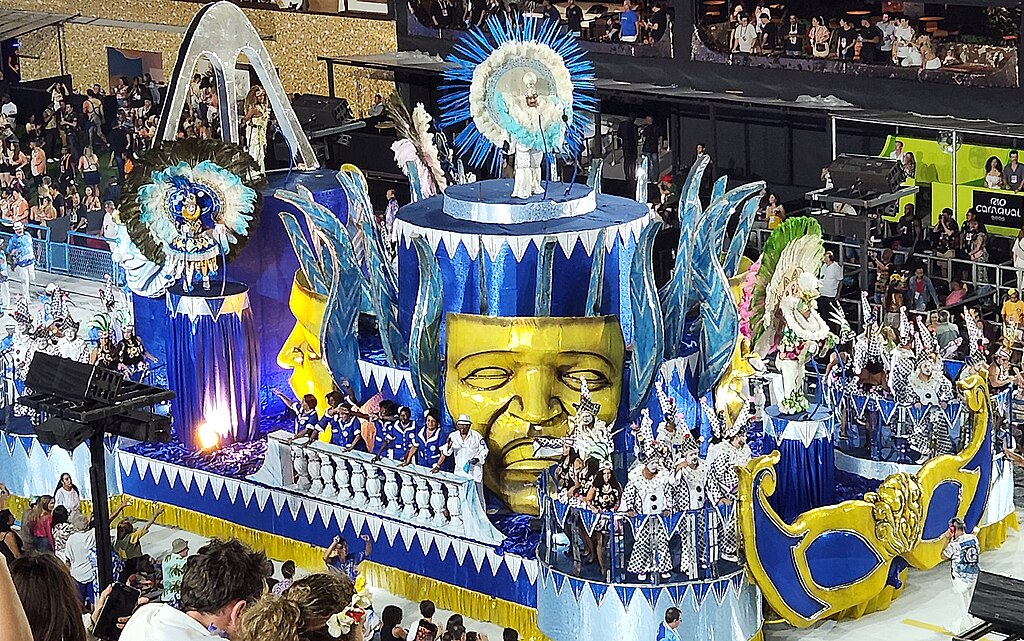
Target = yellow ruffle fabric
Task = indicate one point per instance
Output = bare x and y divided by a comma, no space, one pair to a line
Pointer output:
994,535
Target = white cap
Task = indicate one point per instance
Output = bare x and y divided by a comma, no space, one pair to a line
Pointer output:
464,419
19,226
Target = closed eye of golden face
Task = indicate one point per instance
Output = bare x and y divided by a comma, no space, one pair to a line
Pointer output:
595,380
488,378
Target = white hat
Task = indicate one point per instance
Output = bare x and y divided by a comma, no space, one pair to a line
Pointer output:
19,226
464,419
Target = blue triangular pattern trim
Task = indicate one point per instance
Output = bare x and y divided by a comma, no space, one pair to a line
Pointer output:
598,590
215,305
577,586
46,448
561,510
559,581
700,591
11,443
720,588
26,444
651,595
589,520
625,593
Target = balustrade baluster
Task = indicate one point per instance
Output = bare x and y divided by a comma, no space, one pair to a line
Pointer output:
422,500
392,507
358,483
437,503
373,486
408,495
455,508
302,480
327,475
342,479
316,487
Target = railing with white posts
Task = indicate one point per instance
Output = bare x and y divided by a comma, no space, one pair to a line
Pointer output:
410,494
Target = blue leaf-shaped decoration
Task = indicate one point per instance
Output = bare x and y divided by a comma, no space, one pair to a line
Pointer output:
718,189
649,333
675,294
596,288
415,189
339,330
425,340
308,261
482,267
731,263
383,289
545,264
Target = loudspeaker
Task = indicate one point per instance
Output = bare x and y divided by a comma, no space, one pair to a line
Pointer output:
63,433
866,174
71,380
142,426
321,112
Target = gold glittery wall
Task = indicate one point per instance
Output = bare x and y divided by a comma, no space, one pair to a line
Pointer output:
294,41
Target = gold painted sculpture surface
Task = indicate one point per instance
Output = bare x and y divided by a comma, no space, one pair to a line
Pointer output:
517,379
301,352
888,522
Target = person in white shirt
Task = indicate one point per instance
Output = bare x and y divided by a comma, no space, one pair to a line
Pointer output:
67,494
469,449
831,283
962,550
897,152
744,36
219,583
887,27
78,553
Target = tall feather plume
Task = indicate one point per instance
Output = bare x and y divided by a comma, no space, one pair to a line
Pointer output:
425,339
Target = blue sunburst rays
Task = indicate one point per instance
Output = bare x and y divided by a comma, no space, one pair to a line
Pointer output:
475,47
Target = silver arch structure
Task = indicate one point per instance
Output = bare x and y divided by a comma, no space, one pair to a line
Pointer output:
221,32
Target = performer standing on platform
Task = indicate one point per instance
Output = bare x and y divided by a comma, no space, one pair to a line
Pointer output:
342,421
23,259
70,345
729,453
305,412
469,449
257,117
427,443
651,493
132,354
388,437
528,157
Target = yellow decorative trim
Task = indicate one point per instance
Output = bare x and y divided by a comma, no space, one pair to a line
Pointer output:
993,535
757,637
470,604
877,603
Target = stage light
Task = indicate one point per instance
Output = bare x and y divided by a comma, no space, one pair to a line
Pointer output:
207,437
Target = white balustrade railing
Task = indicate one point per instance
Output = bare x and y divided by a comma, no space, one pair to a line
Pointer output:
409,494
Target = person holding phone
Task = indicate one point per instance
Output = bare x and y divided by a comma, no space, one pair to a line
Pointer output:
963,551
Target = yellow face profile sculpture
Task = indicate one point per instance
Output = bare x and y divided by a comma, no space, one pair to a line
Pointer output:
517,379
301,352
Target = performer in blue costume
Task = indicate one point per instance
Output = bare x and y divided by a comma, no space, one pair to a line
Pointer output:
307,423
427,441
388,438
343,422
23,258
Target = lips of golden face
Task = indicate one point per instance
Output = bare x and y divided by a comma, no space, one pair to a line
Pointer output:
301,352
517,379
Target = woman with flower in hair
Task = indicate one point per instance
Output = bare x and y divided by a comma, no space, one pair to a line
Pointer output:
318,607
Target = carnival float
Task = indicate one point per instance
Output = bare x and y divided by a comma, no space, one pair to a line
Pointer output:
758,479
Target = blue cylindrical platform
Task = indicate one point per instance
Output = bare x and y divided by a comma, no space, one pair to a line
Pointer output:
213,363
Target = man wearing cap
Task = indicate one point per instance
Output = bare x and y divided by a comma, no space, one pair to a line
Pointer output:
173,568
469,449
962,550
22,258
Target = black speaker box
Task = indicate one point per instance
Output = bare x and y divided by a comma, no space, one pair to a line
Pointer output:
866,174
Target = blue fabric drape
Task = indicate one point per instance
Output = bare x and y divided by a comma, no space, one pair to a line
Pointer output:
213,367
806,476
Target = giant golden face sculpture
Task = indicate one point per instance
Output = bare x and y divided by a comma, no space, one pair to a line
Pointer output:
517,379
301,352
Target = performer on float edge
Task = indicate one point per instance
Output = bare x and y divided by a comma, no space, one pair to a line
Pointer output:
652,493
589,435
427,444
905,350
132,354
305,412
23,259
922,383
729,453
388,437
470,451
340,422
690,484
70,345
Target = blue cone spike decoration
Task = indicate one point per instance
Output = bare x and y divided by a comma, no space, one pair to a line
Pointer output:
545,265
425,342
335,273
594,177
383,288
649,337
473,49
596,287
